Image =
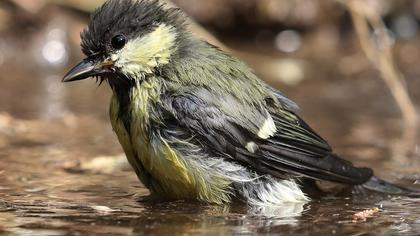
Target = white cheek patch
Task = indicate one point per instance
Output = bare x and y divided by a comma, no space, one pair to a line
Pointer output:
140,56
268,129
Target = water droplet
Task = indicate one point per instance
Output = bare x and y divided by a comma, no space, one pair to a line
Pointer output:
288,41
405,26
54,52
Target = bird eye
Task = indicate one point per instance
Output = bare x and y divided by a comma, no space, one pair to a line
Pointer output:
118,41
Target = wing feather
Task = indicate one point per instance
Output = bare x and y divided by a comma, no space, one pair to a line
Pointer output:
295,150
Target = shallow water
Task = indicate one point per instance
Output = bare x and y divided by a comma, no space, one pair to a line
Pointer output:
65,175
62,171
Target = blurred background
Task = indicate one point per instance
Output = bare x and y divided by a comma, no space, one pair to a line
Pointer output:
54,137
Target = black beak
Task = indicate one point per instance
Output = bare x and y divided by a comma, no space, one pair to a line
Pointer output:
88,68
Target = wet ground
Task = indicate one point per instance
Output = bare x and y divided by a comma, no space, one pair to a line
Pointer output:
62,171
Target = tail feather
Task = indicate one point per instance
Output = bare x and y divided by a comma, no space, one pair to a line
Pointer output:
379,185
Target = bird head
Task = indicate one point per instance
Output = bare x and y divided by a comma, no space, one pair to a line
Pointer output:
128,39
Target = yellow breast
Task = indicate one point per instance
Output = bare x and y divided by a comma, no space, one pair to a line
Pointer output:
151,154
160,167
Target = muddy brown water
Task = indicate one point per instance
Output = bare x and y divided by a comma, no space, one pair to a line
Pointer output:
62,171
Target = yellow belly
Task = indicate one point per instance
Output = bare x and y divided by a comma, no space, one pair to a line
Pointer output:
161,163
166,168
160,167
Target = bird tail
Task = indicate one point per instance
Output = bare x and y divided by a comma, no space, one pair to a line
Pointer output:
378,185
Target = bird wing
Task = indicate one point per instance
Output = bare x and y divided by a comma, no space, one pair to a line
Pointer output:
277,143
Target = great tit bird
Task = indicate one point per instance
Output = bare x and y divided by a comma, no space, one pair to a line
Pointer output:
197,123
